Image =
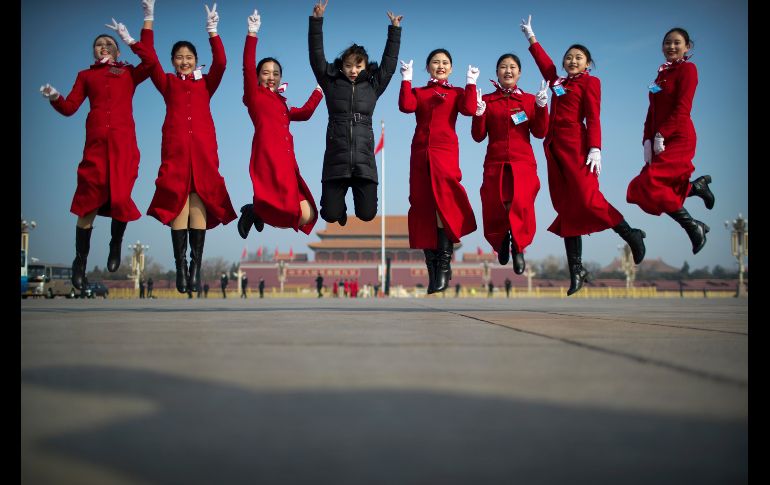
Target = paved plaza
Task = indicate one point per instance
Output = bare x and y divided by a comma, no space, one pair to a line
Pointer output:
384,391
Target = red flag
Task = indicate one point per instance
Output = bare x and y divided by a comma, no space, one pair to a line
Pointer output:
244,253
291,252
381,143
259,252
479,250
276,252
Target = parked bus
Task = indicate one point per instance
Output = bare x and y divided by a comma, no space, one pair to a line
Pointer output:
49,280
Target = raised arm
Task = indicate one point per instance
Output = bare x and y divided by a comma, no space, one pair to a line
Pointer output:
543,61
144,49
315,40
466,103
407,101
389,59
250,77
70,104
306,111
148,7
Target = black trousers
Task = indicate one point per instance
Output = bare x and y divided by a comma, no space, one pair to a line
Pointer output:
333,193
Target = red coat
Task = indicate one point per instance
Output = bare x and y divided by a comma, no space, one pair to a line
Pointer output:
278,185
663,185
110,163
189,161
509,147
434,166
574,127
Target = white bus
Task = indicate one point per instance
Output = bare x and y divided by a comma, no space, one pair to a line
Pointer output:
49,281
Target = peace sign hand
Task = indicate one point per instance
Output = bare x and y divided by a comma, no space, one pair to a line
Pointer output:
319,8
395,20
541,98
212,19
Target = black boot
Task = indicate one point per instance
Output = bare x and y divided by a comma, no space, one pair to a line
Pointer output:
634,238
504,251
82,247
343,220
700,188
197,239
577,273
443,266
179,243
117,229
518,258
696,230
431,258
247,219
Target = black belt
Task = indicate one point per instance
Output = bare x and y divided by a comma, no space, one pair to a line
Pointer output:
355,117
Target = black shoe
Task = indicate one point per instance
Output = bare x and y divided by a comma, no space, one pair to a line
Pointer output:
443,265
577,273
82,248
197,240
431,258
246,220
518,263
343,220
700,188
179,244
634,238
117,229
504,252
696,230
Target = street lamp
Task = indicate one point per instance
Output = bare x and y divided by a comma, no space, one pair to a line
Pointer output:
627,264
739,238
137,261
282,272
26,227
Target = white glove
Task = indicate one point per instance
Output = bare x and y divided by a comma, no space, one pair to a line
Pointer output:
254,22
406,69
647,151
481,106
149,7
541,98
526,27
472,74
122,31
212,19
594,160
318,88
658,145
49,92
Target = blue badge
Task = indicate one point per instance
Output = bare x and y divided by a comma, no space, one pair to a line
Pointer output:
655,88
559,90
519,117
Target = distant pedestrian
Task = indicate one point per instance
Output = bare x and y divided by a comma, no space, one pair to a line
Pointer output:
244,285
261,288
490,289
150,284
507,287
205,290
319,283
334,289
141,288
457,290
223,280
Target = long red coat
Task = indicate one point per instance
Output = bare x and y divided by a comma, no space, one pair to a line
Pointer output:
189,147
509,149
434,165
278,185
581,208
110,163
663,185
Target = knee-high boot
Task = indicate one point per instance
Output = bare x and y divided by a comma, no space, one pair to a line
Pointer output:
504,251
700,188
443,266
117,229
696,230
197,239
577,273
82,247
634,238
431,258
179,243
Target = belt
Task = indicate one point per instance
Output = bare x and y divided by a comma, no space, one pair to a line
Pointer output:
355,117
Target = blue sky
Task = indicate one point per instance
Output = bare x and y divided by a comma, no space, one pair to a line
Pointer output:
624,39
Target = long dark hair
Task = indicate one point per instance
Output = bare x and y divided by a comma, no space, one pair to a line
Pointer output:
690,44
359,54
584,50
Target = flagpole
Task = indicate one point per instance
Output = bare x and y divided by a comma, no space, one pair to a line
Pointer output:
382,242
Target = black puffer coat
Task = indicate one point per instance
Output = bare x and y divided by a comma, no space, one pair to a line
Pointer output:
349,137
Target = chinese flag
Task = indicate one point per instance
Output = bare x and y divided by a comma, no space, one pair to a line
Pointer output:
276,252
381,143
479,251
259,252
244,253
291,252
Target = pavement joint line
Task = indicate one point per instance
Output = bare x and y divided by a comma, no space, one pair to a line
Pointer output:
637,358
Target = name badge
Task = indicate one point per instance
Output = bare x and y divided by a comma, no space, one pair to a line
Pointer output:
519,117
559,90
197,74
117,71
655,88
